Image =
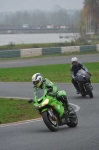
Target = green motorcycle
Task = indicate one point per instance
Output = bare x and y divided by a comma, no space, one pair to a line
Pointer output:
53,112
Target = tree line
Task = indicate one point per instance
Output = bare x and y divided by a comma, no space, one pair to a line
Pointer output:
58,17
89,16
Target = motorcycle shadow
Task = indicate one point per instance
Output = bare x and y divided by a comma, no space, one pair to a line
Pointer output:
61,129
79,97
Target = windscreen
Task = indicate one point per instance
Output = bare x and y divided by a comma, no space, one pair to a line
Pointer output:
39,93
81,72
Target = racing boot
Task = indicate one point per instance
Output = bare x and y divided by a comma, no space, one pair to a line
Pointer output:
76,86
69,109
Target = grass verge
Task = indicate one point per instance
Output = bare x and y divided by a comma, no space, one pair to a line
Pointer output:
12,110
43,45
56,73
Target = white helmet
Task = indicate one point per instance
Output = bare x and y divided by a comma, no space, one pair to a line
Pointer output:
74,59
37,79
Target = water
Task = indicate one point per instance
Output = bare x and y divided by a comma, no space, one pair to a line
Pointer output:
5,39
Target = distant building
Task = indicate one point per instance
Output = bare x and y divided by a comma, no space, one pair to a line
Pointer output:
25,26
63,27
49,26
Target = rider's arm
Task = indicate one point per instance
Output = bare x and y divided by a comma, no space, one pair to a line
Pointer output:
72,73
50,85
83,67
34,93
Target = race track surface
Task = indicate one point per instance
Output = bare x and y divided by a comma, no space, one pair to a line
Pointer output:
48,61
36,136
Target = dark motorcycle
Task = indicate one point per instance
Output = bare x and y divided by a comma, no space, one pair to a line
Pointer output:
83,80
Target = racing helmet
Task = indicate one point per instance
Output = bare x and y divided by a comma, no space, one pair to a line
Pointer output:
74,60
37,79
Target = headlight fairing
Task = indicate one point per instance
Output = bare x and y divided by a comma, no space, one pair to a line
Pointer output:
45,102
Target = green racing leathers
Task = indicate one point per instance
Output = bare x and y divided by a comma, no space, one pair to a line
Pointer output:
53,91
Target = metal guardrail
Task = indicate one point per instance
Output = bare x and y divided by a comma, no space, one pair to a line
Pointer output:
9,53
55,50
88,48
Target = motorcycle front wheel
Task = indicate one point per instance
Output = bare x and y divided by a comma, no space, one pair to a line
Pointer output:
50,121
89,91
82,91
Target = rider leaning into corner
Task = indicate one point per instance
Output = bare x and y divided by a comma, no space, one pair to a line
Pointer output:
44,83
74,68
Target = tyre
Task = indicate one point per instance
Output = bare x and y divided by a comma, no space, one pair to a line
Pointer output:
73,120
89,91
83,94
52,124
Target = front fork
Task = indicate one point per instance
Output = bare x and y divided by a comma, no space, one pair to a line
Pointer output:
50,112
89,85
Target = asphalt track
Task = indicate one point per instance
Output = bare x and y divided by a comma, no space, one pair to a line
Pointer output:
48,60
35,135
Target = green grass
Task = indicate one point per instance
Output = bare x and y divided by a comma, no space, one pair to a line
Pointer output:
12,46
16,110
41,45
56,73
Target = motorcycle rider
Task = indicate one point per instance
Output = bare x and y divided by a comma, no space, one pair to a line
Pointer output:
74,68
44,83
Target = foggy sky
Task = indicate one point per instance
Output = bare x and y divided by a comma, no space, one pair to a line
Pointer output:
15,5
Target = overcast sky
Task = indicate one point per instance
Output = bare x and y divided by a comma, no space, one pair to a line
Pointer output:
15,5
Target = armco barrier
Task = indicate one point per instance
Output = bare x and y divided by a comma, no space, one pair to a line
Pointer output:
31,52
52,50
26,52
70,49
9,53
88,48
46,51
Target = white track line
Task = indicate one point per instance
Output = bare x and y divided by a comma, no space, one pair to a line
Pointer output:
33,120
77,107
14,97
20,122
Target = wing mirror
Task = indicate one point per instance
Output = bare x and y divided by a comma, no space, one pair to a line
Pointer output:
30,100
